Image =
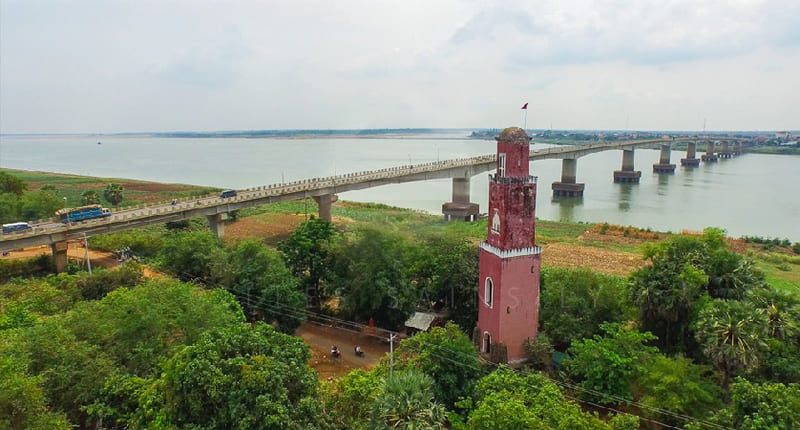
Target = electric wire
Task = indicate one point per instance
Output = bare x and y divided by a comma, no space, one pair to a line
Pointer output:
303,314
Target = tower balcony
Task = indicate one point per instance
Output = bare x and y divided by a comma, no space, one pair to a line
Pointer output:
512,180
511,253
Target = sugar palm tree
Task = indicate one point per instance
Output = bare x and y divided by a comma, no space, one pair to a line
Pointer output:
90,197
732,336
407,403
113,193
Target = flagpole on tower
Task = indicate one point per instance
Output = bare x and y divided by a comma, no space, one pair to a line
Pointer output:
525,108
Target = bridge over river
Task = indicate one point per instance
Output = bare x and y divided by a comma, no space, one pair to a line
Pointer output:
324,190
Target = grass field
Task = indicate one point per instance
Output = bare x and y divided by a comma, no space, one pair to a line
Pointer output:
605,247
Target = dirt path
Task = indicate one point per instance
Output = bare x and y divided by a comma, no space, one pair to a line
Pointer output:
320,339
75,252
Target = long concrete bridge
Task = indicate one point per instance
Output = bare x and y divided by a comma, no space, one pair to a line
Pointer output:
324,191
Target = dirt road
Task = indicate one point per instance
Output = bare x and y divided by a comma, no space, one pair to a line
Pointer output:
320,339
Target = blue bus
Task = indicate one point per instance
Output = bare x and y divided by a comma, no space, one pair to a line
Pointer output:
82,213
15,226
227,193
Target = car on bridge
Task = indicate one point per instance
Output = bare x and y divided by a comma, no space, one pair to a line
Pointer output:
15,227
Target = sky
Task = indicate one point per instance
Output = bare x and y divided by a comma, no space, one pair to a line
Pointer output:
104,66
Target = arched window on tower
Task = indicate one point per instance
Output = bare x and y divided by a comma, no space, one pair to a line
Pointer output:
501,165
488,292
496,222
487,343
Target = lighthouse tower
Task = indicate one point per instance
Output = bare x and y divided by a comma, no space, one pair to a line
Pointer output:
510,262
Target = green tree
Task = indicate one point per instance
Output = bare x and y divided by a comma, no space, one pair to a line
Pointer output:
509,400
665,290
406,402
306,255
264,286
446,270
371,272
40,204
113,193
348,403
12,184
767,406
677,385
194,255
22,400
731,334
90,197
611,363
238,377
574,302
446,355
10,208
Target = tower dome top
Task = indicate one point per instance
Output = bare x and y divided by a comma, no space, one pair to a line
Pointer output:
514,133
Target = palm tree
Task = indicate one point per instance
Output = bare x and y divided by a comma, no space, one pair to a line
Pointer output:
732,336
90,197
407,403
113,193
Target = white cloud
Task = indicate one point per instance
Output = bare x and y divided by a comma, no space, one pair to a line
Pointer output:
90,66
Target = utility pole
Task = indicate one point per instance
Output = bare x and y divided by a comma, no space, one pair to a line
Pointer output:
86,253
391,355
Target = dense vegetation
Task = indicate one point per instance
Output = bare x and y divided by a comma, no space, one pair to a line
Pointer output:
697,338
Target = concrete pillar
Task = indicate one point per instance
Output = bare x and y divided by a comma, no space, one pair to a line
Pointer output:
216,224
664,166
567,187
59,255
461,190
324,202
739,148
691,160
726,150
709,156
627,174
460,209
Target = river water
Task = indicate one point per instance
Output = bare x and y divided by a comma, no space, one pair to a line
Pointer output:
752,194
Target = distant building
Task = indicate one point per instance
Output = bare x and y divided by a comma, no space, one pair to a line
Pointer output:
783,134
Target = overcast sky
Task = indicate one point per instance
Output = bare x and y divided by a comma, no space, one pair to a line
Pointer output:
167,65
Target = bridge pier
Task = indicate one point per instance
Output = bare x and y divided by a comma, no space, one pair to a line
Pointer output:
709,156
627,174
324,202
664,166
217,224
691,160
726,150
59,255
460,208
739,148
568,187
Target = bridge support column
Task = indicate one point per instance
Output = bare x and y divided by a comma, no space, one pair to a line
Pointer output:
217,224
627,174
460,209
726,150
664,166
59,255
691,160
739,148
568,187
709,156
324,202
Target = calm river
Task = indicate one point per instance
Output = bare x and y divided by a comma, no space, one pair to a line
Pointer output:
752,194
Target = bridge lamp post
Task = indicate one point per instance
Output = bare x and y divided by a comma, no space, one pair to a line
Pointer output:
65,202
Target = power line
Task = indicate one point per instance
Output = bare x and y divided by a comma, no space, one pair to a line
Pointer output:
303,314
281,307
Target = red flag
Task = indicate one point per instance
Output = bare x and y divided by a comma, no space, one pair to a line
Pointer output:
525,106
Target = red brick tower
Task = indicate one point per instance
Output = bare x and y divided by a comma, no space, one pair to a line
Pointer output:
510,261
